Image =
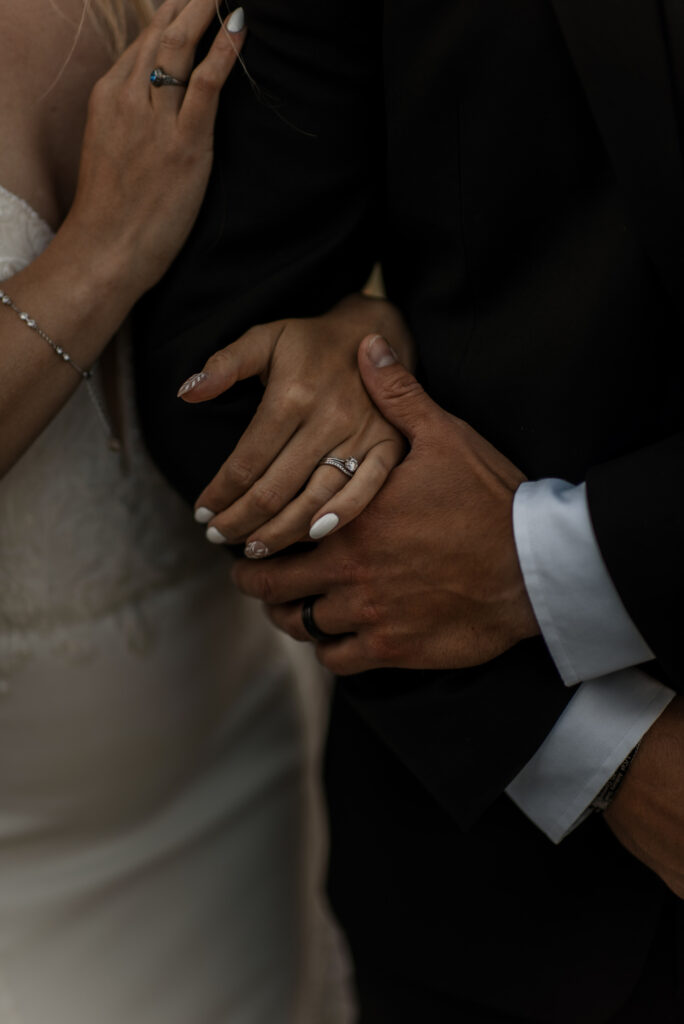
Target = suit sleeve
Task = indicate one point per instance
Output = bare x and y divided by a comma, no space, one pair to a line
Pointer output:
635,504
288,226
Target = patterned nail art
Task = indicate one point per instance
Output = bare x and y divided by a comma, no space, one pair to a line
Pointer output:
191,383
255,549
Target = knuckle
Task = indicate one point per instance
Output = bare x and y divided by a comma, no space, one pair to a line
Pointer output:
402,388
267,500
263,588
339,414
384,462
238,473
220,361
174,38
378,646
369,613
320,495
205,81
348,571
258,332
299,398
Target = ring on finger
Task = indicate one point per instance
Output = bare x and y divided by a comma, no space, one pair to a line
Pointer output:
159,77
347,466
310,625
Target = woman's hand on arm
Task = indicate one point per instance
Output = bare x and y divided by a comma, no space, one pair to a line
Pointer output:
271,490
145,164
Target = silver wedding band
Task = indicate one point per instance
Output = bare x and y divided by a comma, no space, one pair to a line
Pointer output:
346,466
159,77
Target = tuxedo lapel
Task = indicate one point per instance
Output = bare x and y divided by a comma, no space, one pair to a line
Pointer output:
620,54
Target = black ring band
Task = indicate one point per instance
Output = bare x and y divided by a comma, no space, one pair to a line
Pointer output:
309,624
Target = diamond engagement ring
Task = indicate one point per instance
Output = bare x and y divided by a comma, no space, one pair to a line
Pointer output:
346,466
159,77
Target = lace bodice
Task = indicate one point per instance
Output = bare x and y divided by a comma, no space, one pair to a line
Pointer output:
84,531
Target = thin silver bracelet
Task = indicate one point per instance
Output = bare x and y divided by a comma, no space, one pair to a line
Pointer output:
86,375
33,326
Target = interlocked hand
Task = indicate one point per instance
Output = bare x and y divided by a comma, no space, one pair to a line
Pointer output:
428,575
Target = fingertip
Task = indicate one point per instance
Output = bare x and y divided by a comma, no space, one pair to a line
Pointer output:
256,549
215,536
324,525
191,385
378,351
236,22
203,515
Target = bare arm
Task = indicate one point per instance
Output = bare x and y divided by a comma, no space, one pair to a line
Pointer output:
124,226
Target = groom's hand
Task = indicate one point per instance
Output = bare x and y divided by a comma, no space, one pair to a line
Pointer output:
428,576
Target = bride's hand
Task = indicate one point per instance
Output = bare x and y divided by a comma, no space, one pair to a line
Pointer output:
270,493
147,152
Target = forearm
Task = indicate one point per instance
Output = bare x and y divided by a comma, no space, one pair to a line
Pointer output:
79,296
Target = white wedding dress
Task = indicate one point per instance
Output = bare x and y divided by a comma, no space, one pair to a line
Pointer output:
155,862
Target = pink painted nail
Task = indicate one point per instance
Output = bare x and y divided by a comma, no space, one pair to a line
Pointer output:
191,383
255,549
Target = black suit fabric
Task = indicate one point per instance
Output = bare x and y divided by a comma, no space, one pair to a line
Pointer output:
472,146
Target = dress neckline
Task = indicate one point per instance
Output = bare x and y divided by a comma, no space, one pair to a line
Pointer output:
26,207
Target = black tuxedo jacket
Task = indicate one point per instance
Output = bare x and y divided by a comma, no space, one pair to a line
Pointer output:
517,166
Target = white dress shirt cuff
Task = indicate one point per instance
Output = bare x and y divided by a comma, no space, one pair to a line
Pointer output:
605,719
585,625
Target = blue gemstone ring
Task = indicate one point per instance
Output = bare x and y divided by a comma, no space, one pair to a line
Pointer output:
159,77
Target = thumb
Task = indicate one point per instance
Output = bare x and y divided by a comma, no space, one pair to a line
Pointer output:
248,356
395,391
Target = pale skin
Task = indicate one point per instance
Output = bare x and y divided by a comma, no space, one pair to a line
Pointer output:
90,142
269,491
87,146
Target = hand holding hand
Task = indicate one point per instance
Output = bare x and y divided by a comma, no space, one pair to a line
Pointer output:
270,490
647,814
428,575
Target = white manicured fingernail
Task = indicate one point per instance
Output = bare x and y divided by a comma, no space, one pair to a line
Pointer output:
191,383
203,515
381,353
236,22
323,526
255,549
214,536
